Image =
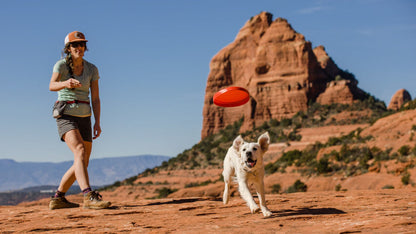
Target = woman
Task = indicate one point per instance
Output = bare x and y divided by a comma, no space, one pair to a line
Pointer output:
73,78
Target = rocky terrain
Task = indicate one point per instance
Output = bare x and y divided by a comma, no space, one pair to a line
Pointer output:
362,211
361,204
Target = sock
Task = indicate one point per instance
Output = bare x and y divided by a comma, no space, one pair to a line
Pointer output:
59,194
87,190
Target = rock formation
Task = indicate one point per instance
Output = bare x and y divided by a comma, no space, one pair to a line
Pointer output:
399,98
280,70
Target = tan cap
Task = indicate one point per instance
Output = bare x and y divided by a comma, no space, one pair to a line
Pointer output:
74,36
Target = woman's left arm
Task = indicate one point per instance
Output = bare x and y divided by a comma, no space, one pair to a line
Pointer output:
96,108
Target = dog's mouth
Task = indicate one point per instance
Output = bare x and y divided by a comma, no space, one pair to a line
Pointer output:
251,163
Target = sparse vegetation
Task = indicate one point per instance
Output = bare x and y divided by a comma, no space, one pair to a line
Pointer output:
195,184
406,178
404,150
354,156
164,192
410,105
338,187
388,186
276,188
298,186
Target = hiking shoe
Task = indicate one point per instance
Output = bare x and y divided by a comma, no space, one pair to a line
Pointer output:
93,200
61,203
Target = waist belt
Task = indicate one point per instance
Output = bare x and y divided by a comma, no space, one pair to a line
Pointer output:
76,101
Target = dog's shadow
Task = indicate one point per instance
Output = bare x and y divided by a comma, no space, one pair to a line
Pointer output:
306,211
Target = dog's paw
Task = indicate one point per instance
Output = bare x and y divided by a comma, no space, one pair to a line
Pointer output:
254,209
267,213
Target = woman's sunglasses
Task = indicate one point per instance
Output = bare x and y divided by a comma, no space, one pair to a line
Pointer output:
78,43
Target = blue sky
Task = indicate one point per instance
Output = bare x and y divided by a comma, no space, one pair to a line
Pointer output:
153,58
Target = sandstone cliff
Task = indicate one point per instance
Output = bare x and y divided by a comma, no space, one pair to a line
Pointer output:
280,70
399,98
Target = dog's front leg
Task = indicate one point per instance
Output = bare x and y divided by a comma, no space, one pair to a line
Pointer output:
262,198
246,195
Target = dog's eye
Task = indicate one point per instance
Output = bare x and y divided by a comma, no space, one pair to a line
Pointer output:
254,149
244,149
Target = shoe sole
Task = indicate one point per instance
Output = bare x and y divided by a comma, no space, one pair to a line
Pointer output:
96,207
57,208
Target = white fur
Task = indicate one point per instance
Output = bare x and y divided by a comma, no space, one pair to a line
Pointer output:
237,163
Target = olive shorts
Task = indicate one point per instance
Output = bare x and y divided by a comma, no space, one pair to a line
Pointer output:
68,122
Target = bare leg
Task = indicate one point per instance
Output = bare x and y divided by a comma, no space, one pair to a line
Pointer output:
78,171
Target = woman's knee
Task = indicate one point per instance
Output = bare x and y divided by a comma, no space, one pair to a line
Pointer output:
79,152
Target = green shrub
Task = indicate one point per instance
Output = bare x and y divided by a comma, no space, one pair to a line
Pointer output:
276,188
196,184
410,105
164,192
380,155
404,150
338,187
388,186
271,168
285,122
291,156
298,186
323,166
406,178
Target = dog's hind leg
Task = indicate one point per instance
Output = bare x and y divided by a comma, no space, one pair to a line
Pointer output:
262,199
227,174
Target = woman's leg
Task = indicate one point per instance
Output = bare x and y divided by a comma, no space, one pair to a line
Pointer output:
78,171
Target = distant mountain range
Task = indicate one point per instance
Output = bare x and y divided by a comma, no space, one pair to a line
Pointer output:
19,175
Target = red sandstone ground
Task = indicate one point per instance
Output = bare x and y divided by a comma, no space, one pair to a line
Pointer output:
361,211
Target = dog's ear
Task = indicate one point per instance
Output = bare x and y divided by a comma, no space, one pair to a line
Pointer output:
237,142
264,141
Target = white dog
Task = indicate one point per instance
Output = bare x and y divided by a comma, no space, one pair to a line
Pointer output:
245,160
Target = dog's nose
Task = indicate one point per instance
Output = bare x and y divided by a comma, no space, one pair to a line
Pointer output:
249,154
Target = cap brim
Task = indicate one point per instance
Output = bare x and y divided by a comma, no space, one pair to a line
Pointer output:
76,40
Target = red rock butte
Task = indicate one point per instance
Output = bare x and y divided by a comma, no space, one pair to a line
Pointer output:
280,70
399,98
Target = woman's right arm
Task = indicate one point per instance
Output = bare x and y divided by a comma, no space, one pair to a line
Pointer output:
55,84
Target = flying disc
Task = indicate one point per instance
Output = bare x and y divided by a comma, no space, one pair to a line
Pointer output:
231,97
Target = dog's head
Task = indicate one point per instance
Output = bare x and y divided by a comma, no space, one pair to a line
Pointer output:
252,152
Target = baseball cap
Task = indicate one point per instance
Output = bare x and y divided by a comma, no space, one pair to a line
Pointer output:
74,36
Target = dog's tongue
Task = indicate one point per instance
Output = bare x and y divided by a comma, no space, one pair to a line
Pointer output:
251,163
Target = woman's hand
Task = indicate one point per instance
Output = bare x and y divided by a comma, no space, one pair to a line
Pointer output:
97,131
72,83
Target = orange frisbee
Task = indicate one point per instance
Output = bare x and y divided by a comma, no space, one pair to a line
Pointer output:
231,97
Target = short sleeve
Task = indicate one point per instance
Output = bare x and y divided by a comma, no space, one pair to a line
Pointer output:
95,74
59,66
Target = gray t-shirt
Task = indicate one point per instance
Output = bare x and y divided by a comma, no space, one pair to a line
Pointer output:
89,74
